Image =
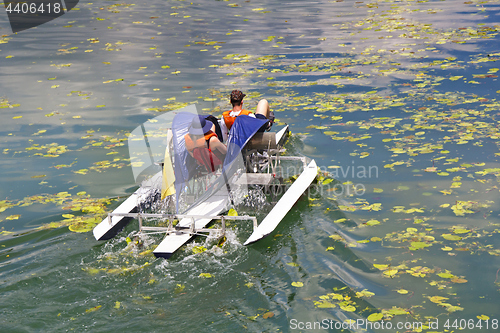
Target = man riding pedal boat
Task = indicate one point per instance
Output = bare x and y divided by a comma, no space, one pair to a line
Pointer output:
262,112
203,144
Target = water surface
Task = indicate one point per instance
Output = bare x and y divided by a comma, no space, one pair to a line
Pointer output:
404,89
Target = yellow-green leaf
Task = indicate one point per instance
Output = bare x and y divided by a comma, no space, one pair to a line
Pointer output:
95,308
375,317
451,237
437,299
205,275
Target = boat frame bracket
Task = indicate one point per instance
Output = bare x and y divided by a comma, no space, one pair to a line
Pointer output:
188,229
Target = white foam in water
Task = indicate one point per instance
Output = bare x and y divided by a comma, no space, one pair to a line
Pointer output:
256,199
230,246
138,243
214,260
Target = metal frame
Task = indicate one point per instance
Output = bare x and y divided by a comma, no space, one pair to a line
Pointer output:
191,230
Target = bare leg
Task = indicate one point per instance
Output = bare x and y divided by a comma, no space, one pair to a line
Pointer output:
263,108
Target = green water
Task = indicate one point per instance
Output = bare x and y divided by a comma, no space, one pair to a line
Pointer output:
405,93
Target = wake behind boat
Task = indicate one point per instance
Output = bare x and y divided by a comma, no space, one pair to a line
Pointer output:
194,196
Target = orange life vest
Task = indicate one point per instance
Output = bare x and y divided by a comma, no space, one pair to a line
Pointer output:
201,151
229,120
199,143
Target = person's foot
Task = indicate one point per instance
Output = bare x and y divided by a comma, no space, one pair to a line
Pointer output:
271,116
271,121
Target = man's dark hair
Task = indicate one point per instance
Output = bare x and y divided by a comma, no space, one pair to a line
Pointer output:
236,97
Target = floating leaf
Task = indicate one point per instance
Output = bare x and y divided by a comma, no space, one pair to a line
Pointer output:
179,288
375,317
348,308
205,275
297,284
267,315
336,237
419,245
91,270
451,237
381,267
199,249
82,226
327,181
325,305
394,311
372,222
95,308
458,280
452,308
390,272
437,299
364,293
446,275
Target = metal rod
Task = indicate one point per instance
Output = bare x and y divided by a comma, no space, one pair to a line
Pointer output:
191,230
184,232
278,161
177,216
197,234
155,228
154,233
288,158
164,229
188,229
269,163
